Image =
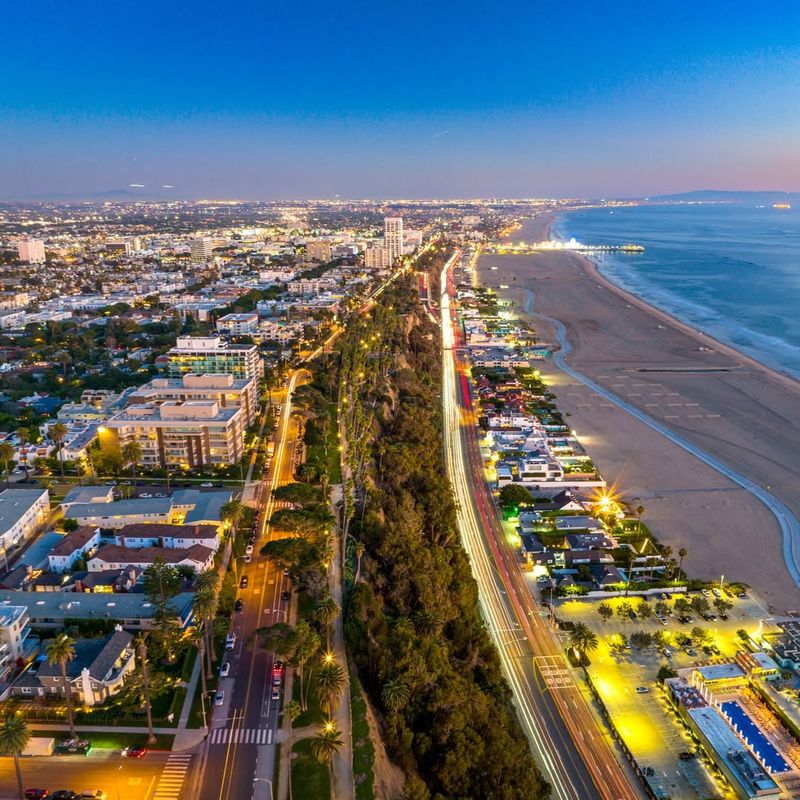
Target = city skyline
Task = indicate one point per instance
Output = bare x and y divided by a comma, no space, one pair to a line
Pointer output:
274,104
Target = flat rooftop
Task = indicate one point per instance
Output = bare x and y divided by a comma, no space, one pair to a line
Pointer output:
14,503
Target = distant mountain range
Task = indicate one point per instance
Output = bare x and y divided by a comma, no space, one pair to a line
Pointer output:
721,196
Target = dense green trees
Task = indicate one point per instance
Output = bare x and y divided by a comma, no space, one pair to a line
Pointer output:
412,621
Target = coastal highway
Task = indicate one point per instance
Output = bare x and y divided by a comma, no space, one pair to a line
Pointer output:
238,756
789,524
572,750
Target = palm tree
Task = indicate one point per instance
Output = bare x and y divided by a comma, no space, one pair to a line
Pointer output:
132,453
58,433
682,553
199,639
24,436
639,512
205,609
325,745
59,651
326,612
293,711
582,638
6,456
14,737
359,551
331,681
395,694
232,512
151,736
207,581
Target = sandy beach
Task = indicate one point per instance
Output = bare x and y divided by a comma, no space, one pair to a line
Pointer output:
734,408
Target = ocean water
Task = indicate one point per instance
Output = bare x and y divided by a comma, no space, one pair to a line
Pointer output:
731,271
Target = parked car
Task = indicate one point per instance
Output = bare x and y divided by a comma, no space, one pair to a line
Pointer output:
632,614
685,755
35,794
145,495
642,690
249,550
705,592
285,596
742,595
276,694
717,592
225,669
93,794
243,581
230,641
219,697
64,794
664,596
277,668
207,485
248,558
136,752
238,605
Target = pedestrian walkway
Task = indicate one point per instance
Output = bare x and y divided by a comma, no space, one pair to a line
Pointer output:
241,736
172,777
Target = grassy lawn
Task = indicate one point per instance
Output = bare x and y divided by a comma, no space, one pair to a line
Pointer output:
114,741
313,714
363,749
309,777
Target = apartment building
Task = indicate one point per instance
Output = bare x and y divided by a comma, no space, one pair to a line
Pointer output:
212,354
238,324
226,390
31,251
318,250
183,433
22,511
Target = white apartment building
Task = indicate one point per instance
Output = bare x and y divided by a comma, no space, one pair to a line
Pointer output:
377,258
14,631
11,301
190,433
31,251
22,511
212,354
238,324
201,248
227,391
393,236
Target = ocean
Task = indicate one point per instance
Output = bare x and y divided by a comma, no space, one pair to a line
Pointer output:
731,271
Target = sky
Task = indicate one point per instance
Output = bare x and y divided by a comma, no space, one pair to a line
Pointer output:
268,100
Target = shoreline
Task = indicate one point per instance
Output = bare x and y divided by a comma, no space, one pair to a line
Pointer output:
618,338
702,336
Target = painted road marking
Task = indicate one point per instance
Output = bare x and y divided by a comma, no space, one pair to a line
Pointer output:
171,780
240,736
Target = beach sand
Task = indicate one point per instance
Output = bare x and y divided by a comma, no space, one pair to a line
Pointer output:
742,413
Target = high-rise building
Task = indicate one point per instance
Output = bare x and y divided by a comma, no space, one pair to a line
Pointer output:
212,354
393,236
377,258
31,251
201,248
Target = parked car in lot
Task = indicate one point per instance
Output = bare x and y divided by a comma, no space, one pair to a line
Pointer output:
207,485
145,495
685,755
642,690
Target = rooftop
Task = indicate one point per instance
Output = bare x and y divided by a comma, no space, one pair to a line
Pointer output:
75,540
115,554
14,503
122,508
96,655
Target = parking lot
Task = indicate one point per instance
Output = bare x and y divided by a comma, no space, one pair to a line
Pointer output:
626,679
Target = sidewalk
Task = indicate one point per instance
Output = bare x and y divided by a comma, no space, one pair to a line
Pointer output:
187,738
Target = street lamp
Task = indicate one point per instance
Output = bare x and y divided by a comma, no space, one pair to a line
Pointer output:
265,780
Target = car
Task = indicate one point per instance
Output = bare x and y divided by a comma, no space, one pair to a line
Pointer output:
276,680
724,616
238,605
225,669
642,690
717,592
219,697
690,651
249,550
742,595
64,794
715,650
661,619
664,596
243,581
705,592
145,495
276,694
136,752
632,614
685,755
206,485
285,596
230,641
667,652
277,668
93,794
707,650
248,558
35,794
160,494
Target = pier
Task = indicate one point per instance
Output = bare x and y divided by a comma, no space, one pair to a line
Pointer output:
523,248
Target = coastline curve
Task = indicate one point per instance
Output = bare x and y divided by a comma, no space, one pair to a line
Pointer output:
789,524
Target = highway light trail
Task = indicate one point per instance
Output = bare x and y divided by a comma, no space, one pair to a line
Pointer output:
570,746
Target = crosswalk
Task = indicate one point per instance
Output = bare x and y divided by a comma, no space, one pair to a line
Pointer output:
172,777
241,736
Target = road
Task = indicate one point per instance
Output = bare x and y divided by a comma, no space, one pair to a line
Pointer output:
571,748
242,740
157,776
789,524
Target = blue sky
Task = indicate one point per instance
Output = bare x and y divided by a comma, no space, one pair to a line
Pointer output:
415,99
